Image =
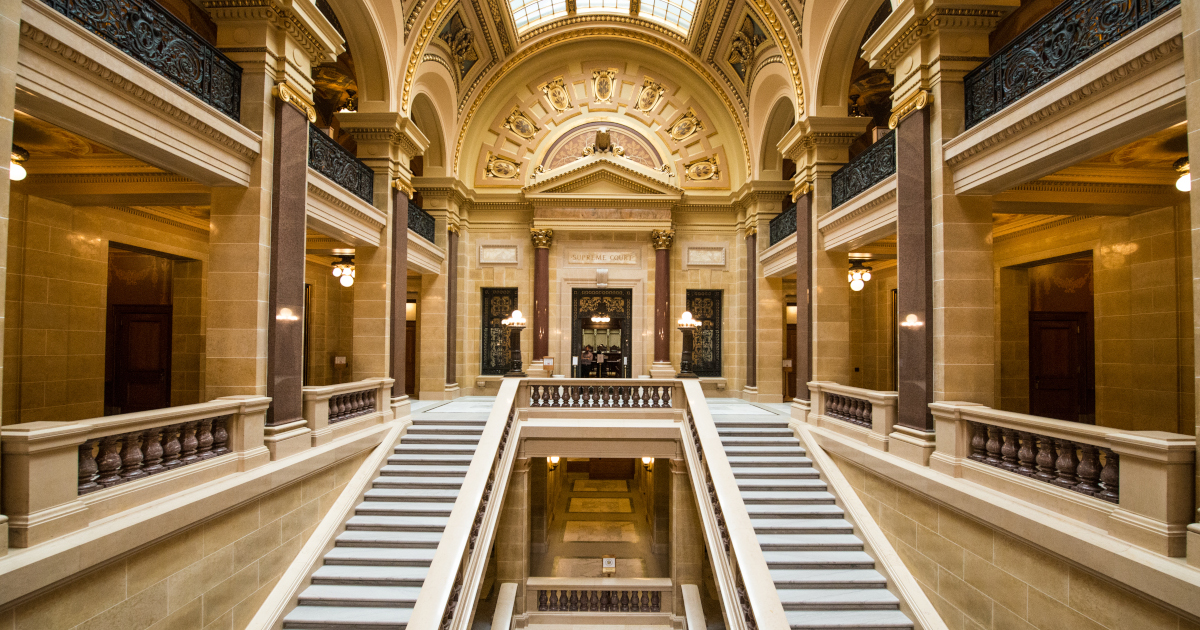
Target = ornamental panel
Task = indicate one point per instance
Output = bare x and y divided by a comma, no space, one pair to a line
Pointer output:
705,306
332,160
498,303
871,167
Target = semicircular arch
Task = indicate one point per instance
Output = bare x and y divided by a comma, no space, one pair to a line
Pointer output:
367,38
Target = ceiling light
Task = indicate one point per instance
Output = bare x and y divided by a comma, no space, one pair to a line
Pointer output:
859,275
16,172
1184,183
343,270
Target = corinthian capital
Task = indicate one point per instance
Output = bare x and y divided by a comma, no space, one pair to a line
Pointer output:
541,237
662,238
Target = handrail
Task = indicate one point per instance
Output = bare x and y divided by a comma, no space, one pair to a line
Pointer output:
748,592
603,594
783,225
447,598
864,414
693,610
421,222
505,602
147,32
328,405
1072,32
332,160
872,166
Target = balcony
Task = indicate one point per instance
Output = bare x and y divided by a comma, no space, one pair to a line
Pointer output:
783,225
332,160
871,167
421,222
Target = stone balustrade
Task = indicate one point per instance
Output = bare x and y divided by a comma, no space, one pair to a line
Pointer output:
332,411
1075,469
60,476
863,414
589,393
598,595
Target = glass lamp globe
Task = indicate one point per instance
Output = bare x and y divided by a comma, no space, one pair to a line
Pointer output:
857,285
346,280
1184,183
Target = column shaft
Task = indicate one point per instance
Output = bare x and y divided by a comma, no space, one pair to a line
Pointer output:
914,249
452,307
662,305
399,310
804,278
751,308
541,303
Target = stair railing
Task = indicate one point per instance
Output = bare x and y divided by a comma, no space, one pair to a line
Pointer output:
448,596
749,600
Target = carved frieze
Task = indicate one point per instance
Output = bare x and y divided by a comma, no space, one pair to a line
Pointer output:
650,95
502,167
703,169
520,124
602,84
556,94
685,126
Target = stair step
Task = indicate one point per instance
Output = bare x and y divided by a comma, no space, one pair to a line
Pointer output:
351,618
416,459
778,431
391,539
403,508
446,429
434,438
341,595
741,461
801,526
810,497
775,472
412,523
792,511
428,495
757,451
405,448
818,559
427,420
818,599
423,470
760,441
809,542
781,484
848,619
380,556
827,578
385,481
350,575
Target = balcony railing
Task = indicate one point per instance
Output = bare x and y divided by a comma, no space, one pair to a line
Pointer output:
158,40
1072,32
326,407
871,167
783,225
332,160
865,415
421,222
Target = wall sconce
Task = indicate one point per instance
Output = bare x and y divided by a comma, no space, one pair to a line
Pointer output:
647,462
859,275
286,315
343,270
553,462
686,326
1184,168
911,321
515,324
16,172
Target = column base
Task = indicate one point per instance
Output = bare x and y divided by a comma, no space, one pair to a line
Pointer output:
401,407
801,409
912,444
662,369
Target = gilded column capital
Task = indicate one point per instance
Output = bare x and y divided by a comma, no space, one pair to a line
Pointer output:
541,237
751,231
290,94
662,239
453,226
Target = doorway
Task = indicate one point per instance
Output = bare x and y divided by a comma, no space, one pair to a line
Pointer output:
138,347
601,319
1062,341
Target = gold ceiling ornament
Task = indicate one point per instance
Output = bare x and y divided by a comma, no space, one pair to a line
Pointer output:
520,124
502,167
285,92
556,94
917,101
650,95
662,239
704,169
687,124
541,237
612,33
602,84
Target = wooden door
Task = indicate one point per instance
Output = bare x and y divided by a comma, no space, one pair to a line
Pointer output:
610,468
410,359
142,378
1056,364
789,373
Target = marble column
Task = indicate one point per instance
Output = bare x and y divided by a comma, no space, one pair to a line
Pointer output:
914,270
751,310
661,368
804,268
285,328
541,295
399,290
452,306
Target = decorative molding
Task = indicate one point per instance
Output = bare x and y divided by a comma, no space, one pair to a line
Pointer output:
412,16
341,204
703,169
158,218
1040,228
279,15
1105,188
520,124
501,26
602,85
556,94
710,11
888,196
649,96
606,18
924,26
445,63
704,256
760,66
501,167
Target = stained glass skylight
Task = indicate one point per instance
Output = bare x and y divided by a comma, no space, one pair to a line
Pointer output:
675,13
526,12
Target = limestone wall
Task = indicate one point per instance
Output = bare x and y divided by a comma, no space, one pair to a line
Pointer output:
871,331
330,326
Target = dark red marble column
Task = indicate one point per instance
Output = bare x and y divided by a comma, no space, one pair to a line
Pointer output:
751,307
399,284
914,249
662,294
285,327
541,292
452,305
804,275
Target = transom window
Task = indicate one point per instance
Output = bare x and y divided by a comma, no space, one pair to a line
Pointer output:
676,14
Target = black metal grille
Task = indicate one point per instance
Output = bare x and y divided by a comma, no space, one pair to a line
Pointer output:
783,225
421,222
1072,32
332,160
162,42
498,303
705,306
874,165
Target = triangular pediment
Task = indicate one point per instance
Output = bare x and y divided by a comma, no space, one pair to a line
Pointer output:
601,177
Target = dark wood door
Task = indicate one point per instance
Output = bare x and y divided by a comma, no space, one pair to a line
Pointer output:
610,468
410,359
142,378
1056,364
789,373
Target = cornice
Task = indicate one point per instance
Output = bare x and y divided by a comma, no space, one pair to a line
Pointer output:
342,205
1040,228
108,178
923,26
573,175
321,47
1106,188
1109,80
886,197
138,212
49,43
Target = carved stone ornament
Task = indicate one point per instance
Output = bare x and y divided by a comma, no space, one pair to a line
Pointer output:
744,45
461,41
556,94
687,125
541,237
501,167
662,238
518,123
602,84
702,169
650,95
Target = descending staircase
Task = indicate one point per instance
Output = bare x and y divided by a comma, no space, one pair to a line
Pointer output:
823,576
372,576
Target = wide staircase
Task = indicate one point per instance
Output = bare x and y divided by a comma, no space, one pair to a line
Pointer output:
372,577
823,576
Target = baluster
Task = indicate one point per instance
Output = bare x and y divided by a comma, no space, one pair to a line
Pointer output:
109,463
220,436
131,456
543,602
371,399
1009,449
609,392
204,439
1088,470
655,601
667,396
993,446
634,605
624,601
88,467
604,601
1025,454
829,404
1065,464
152,452
978,442
188,443
564,602
356,404
574,600
1110,477
868,415
1045,458
594,602
645,601
553,600
171,447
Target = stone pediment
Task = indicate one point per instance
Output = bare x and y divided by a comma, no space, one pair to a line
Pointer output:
603,181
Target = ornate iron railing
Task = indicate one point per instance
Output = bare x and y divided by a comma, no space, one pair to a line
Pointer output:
872,166
333,161
1072,32
162,42
421,222
783,225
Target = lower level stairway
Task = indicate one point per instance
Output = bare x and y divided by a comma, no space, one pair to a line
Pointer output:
372,576
823,576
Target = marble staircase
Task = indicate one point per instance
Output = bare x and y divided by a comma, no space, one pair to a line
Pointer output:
824,577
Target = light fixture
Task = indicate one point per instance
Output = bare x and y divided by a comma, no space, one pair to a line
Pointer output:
911,321
1184,168
686,326
286,315
859,275
646,462
553,462
601,315
343,270
16,172
515,324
